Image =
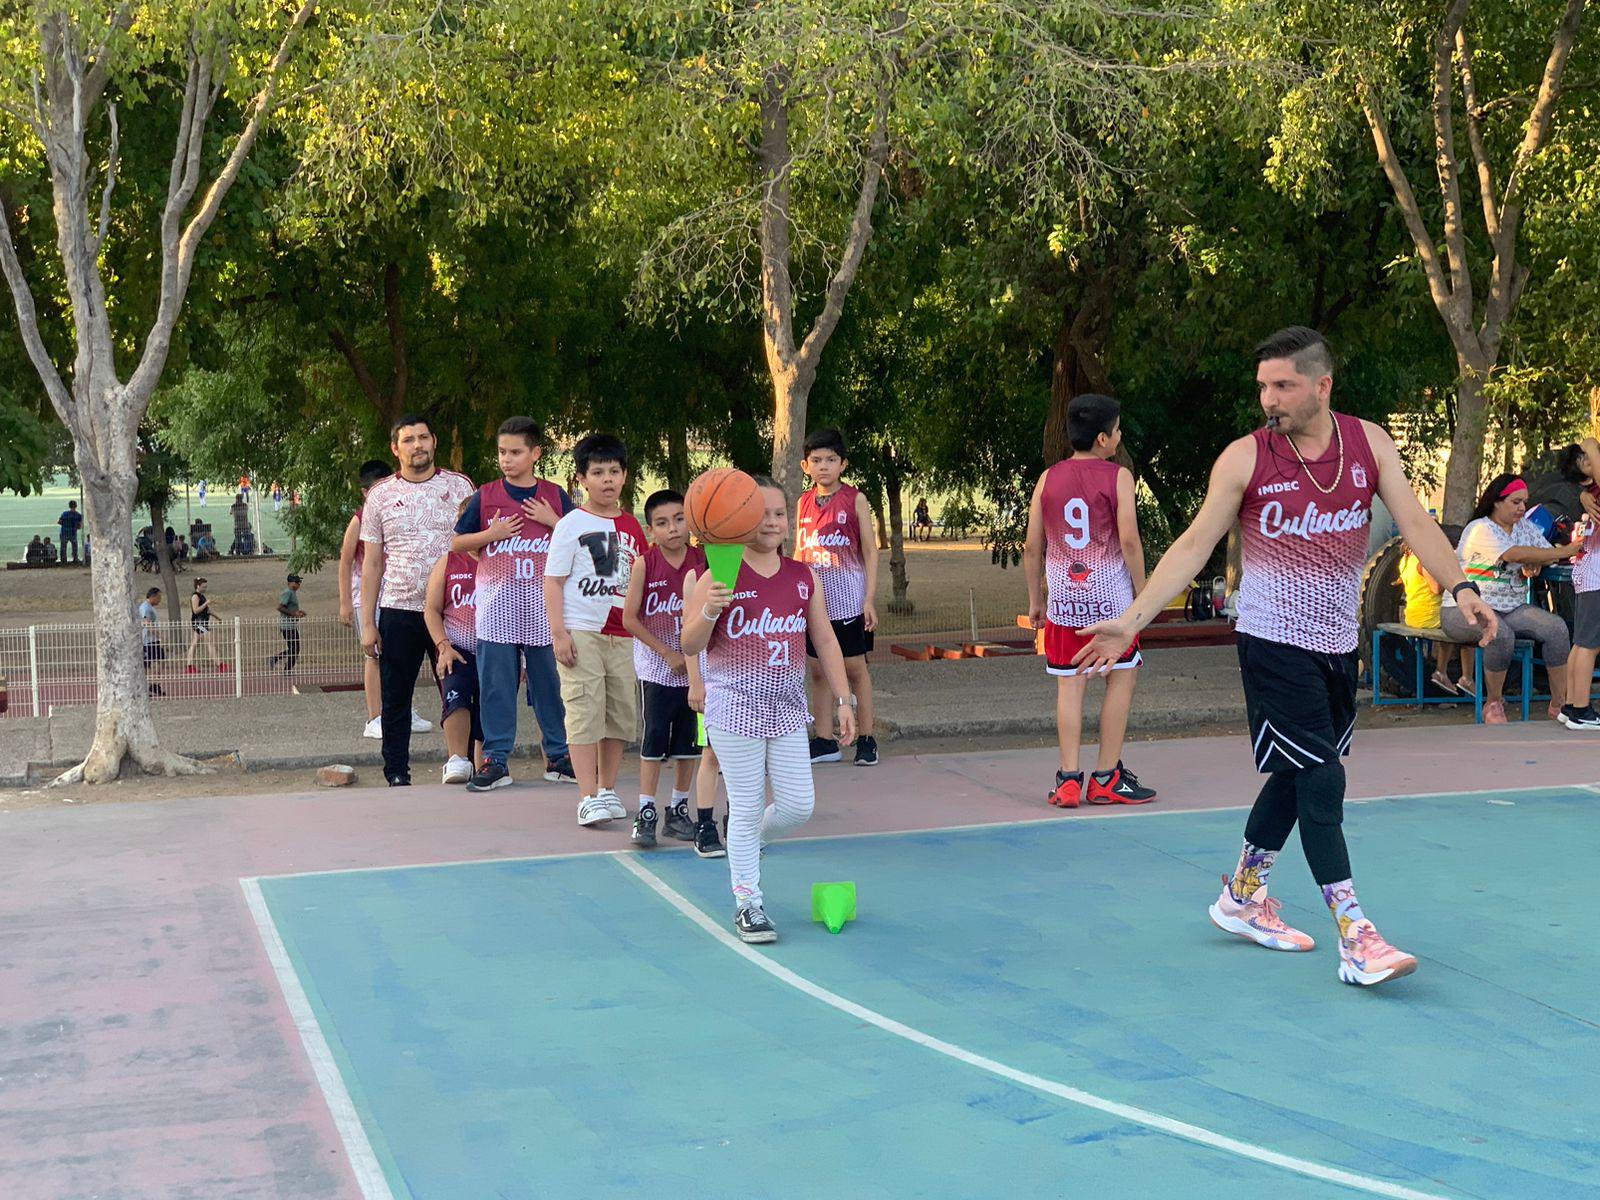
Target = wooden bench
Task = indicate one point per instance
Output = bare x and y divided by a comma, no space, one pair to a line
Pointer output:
1425,639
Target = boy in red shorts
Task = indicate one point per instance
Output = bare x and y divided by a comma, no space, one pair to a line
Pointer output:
1084,562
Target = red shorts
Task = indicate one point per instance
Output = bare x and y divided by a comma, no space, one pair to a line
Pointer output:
1062,643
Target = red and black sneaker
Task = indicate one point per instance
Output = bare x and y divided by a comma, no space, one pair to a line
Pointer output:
1119,786
1069,789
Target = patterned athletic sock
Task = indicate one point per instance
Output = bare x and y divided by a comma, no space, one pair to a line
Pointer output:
1255,864
1341,900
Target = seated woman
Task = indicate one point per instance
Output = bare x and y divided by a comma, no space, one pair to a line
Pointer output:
1499,551
1421,611
35,552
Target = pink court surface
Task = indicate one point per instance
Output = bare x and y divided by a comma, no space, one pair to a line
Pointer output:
157,1044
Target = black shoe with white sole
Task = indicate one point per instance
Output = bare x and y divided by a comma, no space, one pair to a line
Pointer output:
866,751
559,770
644,828
752,925
825,750
707,842
1580,719
678,824
489,776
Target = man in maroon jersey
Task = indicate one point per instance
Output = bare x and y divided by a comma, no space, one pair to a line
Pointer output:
1302,487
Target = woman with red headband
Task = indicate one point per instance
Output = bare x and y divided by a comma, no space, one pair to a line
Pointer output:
1500,550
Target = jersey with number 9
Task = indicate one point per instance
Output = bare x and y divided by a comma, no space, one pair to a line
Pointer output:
1087,578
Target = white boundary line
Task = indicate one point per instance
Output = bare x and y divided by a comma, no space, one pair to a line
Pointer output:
363,1162
1127,1112
1112,813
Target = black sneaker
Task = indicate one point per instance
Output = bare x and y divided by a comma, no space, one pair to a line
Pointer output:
398,780
866,751
707,843
157,690
825,750
644,828
752,925
559,770
678,824
1585,718
1119,786
489,776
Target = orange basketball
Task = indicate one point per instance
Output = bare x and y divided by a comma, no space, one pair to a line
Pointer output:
724,505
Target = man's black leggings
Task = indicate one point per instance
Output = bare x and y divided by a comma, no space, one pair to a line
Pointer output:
1314,796
403,643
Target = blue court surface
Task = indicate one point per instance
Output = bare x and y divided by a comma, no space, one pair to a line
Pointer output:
1027,1010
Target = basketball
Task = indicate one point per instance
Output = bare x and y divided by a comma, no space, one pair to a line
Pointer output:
724,505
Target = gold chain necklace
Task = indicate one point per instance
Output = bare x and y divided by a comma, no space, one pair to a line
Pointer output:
1337,475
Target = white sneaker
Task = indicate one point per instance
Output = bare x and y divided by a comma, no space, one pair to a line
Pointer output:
592,810
419,723
612,801
458,769
373,729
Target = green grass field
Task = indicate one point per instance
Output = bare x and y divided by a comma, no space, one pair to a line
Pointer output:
23,516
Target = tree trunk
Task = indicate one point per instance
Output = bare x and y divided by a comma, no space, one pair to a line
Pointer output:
678,457
1466,448
789,396
875,502
169,574
900,583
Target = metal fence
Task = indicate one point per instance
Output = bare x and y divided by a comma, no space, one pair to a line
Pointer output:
52,666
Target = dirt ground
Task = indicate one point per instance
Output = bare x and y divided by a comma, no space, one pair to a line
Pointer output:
941,574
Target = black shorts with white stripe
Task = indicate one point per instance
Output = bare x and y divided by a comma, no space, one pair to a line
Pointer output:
1301,703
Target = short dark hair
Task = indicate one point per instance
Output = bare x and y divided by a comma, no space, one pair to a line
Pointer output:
656,499
767,481
151,592
1090,415
72,504
525,427
373,470
1308,348
405,419
599,448
827,438
200,580
1491,493
1567,463
293,579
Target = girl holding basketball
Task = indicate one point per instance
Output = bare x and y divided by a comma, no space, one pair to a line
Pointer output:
754,638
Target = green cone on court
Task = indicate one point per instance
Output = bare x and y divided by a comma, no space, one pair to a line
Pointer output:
833,904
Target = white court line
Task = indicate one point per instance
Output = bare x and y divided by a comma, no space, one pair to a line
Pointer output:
1127,1112
1112,813
363,1162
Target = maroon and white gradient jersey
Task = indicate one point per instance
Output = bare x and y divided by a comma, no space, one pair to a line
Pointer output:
1586,567
661,612
460,602
511,573
1086,576
355,566
1304,550
828,540
755,663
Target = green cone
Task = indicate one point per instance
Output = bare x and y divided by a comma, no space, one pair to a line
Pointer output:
833,904
724,562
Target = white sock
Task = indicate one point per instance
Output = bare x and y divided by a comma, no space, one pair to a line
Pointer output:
646,801
679,799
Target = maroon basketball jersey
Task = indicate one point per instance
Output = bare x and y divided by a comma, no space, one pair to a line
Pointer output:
1305,548
661,612
460,601
511,573
755,663
1087,578
828,540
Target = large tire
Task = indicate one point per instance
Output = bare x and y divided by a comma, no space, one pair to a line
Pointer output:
1382,602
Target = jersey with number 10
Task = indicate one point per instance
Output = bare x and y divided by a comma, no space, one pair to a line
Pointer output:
1087,578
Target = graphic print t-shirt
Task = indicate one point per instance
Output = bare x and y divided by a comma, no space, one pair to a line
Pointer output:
596,555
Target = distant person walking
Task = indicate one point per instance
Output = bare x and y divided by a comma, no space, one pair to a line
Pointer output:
70,521
289,614
149,627
200,630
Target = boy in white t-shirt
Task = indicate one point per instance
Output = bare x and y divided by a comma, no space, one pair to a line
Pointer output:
585,582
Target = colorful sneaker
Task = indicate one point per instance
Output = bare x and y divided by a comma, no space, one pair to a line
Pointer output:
1069,789
825,750
1365,958
191,669
559,770
707,843
612,802
644,828
752,925
1257,919
678,824
1122,786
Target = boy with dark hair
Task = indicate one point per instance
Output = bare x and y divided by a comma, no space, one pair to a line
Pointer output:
586,578
509,523
833,536
289,614
653,613
1085,563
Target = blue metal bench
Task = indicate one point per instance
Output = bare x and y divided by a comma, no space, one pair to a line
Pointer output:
1425,640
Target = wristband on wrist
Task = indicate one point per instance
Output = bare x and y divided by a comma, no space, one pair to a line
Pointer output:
1464,585
844,700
